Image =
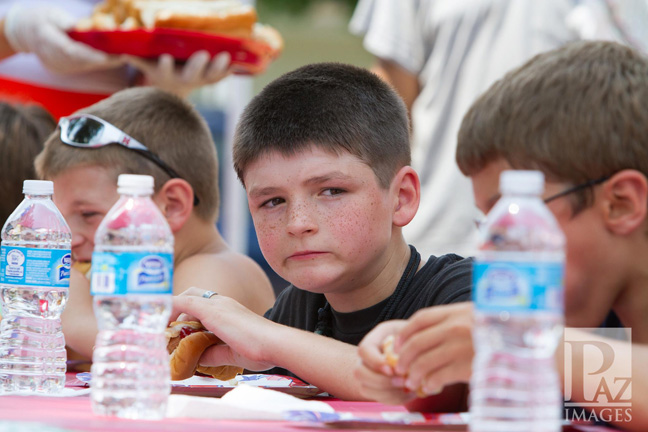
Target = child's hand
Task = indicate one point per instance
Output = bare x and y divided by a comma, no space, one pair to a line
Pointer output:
248,336
377,379
435,348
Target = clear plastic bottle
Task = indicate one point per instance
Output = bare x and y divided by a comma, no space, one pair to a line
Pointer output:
519,318
132,274
34,283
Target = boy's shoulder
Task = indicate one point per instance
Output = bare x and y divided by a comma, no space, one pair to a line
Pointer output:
443,279
228,273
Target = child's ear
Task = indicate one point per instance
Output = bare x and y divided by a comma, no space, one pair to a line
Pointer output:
407,188
625,198
175,200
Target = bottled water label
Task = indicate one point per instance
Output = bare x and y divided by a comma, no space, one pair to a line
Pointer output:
121,273
518,286
35,267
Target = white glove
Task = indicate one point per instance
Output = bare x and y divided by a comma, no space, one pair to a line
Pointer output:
197,71
41,31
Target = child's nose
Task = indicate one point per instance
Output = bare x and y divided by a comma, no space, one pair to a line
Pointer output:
301,220
77,239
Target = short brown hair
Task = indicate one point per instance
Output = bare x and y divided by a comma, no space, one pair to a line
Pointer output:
577,113
23,130
332,106
168,125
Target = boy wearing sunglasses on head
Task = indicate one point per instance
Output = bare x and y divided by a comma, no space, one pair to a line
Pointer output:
145,131
579,114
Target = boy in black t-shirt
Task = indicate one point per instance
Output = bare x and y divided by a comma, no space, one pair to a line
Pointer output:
323,153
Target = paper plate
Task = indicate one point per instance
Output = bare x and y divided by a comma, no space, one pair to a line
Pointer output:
207,386
249,56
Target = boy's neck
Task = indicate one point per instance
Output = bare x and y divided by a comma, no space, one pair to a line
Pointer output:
197,237
631,303
632,309
386,275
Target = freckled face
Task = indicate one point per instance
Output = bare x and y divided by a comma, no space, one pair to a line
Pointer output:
321,219
84,194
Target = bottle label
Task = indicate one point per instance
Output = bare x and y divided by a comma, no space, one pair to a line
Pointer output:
120,273
35,267
515,286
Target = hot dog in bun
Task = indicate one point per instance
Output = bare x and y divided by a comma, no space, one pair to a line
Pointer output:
187,340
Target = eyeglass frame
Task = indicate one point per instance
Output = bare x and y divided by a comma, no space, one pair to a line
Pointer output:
479,222
119,137
576,188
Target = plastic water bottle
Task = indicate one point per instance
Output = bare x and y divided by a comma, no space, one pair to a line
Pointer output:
518,296
34,283
132,273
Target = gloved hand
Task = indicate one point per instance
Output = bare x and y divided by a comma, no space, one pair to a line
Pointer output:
198,71
42,31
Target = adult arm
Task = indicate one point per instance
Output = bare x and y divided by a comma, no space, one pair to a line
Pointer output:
42,31
404,82
5,48
256,343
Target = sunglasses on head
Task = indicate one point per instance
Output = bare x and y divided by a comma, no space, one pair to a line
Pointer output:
88,131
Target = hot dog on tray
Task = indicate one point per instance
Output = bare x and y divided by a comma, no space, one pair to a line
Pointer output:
187,340
223,17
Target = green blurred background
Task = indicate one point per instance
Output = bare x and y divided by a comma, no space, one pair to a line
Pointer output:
313,31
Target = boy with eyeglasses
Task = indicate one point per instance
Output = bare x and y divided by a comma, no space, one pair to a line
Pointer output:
145,131
579,114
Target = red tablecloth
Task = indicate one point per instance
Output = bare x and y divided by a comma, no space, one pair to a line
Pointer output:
75,414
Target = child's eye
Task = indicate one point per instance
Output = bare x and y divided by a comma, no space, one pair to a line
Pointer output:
272,202
89,214
332,191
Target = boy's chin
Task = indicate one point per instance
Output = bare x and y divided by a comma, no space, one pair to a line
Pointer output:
319,284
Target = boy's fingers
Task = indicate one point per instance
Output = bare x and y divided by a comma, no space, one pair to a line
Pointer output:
418,344
218,355
432,327
447,375
370,348
441,366
185,317
378,387
191,305
432,316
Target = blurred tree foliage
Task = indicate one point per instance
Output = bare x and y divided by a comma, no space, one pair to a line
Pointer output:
297,6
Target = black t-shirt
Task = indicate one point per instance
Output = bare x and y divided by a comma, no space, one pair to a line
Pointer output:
442,280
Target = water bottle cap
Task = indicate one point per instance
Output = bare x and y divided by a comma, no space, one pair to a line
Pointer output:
135,184
521,182
38,187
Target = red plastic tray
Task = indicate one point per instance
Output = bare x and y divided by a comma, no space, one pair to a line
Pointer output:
249,56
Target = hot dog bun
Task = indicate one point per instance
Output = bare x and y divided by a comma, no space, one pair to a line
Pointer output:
225,17
185,352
